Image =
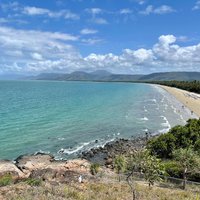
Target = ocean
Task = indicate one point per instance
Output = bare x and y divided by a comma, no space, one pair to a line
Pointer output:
65,118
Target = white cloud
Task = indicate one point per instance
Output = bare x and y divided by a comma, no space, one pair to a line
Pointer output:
141,2
94,11
12,20
69,15
43,11
35,11
99,21
87,31
14,6
125,11
183,38
38,48
196,6
28,51
164,9
3,20
37,56
91,41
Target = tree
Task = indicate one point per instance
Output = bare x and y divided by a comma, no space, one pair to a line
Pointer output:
135,163
144,163
189,160
120,164
152,169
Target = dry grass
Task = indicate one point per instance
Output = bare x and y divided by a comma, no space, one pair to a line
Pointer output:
92,191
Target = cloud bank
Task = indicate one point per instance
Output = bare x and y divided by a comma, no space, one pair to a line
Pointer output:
33,52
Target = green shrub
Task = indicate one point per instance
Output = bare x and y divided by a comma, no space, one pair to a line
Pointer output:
6,180
182,136
34,182
162,146
172,168
94,168
178,137
197,146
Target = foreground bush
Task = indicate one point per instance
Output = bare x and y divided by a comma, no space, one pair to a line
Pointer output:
94,168
34,182
6,180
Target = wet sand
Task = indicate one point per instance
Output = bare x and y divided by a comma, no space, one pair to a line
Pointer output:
189,99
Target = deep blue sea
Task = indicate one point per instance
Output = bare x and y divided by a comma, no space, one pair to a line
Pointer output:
64,118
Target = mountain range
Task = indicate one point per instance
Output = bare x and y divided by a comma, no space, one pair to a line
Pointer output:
102,75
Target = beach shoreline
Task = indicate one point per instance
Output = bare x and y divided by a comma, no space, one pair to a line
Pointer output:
188,99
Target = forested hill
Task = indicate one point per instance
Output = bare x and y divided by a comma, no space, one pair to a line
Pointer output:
102,75
191,86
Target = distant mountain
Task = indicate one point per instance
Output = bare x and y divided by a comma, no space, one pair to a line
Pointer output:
102,75
167,76
99,75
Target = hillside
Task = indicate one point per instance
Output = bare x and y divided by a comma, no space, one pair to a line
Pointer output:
101,75
168,76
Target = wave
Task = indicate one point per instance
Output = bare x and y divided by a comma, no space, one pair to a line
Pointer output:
165,130
165,124
153,100
42,152
145,110
88,145
70,151
61,138
144,119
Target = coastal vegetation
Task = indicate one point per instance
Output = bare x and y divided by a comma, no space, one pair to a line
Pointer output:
191,86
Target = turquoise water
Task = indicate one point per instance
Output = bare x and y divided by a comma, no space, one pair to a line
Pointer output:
64,118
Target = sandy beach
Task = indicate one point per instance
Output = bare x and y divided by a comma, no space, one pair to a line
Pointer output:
189,99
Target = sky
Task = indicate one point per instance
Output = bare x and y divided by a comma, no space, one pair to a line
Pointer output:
121,36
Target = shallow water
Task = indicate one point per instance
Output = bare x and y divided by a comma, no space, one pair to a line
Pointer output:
64,118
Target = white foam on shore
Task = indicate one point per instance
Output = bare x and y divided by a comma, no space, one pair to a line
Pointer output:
171,103
144,119
70,151
88,145
61,138
165,124
145,110
42,152
154,100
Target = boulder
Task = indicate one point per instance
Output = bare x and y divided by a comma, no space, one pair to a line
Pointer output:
8,167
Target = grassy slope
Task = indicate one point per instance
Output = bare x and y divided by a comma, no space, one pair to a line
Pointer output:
92,191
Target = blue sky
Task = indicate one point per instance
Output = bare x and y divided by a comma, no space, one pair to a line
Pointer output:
122,36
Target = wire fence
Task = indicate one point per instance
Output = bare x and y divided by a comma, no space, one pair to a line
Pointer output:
167,182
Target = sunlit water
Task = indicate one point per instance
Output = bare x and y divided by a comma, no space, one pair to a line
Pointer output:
64,118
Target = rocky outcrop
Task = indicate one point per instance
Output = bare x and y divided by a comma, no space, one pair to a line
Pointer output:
8,167
45,167
104,155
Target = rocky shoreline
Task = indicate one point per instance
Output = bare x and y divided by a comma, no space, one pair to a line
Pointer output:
104,155
45,166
